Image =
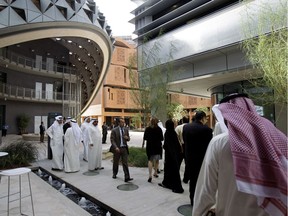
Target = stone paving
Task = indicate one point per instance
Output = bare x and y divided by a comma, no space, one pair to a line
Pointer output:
148,199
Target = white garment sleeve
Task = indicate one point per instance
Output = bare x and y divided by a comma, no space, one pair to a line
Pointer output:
49,132
206,188
89,135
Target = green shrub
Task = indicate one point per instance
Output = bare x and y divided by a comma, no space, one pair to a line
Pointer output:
22,122
137,157
20,153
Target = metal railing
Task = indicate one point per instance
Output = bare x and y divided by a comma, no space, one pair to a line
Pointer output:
12,57
20,93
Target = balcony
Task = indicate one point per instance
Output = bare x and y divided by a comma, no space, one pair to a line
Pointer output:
30,65
11,92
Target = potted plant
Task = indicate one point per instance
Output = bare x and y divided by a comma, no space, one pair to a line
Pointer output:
22,123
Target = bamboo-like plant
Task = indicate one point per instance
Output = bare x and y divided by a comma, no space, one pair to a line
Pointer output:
268,51
149,88
176,111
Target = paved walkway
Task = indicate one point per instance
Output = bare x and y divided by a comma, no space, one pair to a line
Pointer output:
148,199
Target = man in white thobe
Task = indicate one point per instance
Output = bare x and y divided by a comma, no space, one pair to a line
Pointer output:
84,127
161,162
55,132
94,146
217,177
72,142
246,166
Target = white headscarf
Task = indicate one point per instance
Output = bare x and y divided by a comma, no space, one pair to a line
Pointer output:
86,119
56,123
220,119
92,120
68,119
160,124
76,131
59,117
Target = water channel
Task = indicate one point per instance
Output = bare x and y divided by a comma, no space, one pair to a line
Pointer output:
85,201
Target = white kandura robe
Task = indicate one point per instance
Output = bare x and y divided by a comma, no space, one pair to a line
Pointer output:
217,176
217,129
71,152
161,162
95,152
85,134
55,132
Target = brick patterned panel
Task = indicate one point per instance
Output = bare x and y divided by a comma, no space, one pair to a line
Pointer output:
176,98
119,74
192,101
121,55
121,97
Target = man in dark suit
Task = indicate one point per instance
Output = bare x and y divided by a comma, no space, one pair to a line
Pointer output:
196,136
66,124
119,138
42,131
104,132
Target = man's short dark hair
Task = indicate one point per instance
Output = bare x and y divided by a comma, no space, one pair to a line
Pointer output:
199,115
185,119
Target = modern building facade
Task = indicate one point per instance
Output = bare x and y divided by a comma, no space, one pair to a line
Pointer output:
206,37
54,55
115,98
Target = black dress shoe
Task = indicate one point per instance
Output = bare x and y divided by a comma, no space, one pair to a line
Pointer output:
114,177
178,191
56,169
128,179
162,185
185,181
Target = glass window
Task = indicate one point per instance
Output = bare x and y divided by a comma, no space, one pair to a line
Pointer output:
261,96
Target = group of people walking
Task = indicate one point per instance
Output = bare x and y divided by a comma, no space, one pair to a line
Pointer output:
239,169
186,141
66,139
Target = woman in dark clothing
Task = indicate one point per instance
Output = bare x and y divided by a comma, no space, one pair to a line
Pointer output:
172,179
154,137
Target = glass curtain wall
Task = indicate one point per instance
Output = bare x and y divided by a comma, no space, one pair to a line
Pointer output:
260,96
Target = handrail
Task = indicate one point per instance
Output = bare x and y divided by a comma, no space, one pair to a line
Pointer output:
41,65
16,92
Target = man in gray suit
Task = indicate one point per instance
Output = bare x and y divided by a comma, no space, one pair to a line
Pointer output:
119,138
